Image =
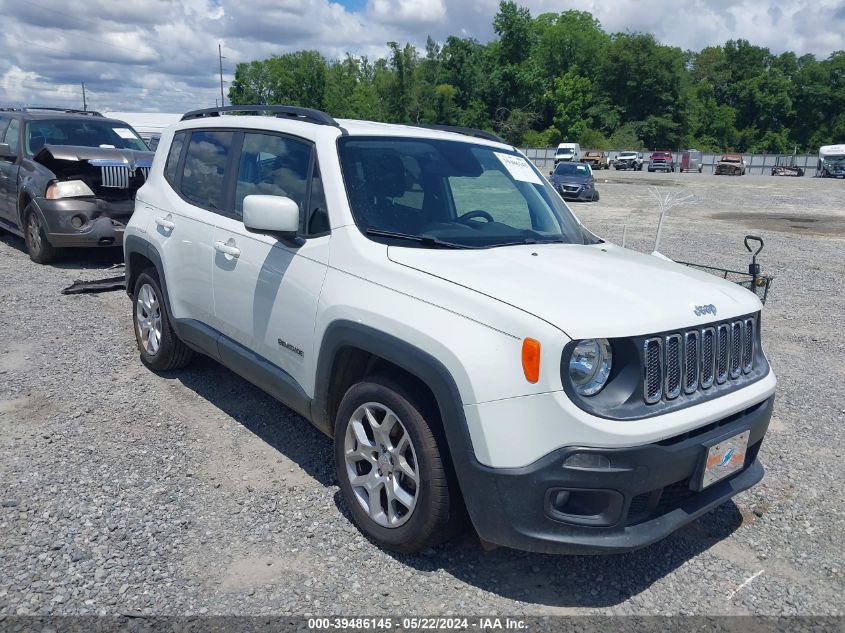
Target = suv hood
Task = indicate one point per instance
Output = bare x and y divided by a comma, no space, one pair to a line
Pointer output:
130,157
586,291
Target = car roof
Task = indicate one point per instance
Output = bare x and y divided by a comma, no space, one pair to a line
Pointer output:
347,127
57,114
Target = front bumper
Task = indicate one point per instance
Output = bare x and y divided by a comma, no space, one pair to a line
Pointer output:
102,221
661,167
645,493
576,192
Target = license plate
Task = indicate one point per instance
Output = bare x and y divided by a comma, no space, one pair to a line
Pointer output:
725,458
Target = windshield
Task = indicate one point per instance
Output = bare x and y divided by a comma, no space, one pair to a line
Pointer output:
828,160
565,150
450,193
628,155
572,168
81,133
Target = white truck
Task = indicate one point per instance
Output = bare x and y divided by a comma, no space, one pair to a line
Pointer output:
427,300
567,152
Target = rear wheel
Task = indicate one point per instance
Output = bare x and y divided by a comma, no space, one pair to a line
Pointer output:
37,245
390,467
160,348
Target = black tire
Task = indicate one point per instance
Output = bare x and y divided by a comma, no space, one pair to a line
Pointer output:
171,352
596,196
37,245
436,515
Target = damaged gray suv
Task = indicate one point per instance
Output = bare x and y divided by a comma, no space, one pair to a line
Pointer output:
68,178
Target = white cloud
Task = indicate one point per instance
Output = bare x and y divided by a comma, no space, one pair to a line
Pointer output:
162,54
408,12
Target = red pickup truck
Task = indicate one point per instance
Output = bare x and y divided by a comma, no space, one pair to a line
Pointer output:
661,161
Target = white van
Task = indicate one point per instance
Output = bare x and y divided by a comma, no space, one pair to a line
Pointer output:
568,152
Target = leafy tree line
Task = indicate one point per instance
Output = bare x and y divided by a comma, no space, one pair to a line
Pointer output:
560,77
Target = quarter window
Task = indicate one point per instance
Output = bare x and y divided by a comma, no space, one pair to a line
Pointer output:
204,174
272,165
13,136
173,157
318,214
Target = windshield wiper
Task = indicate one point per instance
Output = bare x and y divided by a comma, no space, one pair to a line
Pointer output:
427,240
529,240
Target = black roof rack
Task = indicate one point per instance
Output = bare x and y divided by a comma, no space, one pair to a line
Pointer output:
466,131
308,115
65,110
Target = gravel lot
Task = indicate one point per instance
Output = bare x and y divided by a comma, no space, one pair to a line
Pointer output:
122,491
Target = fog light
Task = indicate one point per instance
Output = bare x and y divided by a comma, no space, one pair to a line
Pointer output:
587,461
77,221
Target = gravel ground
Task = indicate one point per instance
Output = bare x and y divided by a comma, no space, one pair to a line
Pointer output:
122,491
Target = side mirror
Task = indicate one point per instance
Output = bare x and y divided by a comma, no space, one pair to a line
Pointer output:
6,152
271,214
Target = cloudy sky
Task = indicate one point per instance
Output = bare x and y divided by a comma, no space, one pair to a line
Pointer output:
161,55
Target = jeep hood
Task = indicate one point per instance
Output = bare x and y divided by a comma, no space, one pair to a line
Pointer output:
586,291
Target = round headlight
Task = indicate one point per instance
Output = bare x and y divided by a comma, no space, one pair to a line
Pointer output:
589,365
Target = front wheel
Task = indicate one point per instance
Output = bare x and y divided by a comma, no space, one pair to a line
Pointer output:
37,245
392,473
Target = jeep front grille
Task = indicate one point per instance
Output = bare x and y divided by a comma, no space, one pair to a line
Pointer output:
685,362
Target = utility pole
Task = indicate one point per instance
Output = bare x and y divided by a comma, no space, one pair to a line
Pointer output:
84,102
220,59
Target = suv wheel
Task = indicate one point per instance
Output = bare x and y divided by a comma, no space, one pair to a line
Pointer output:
37,245
161,349
390,469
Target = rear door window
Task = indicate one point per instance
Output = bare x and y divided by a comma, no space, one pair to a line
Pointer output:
203,180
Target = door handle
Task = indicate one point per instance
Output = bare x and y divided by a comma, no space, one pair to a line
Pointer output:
166,222
228,248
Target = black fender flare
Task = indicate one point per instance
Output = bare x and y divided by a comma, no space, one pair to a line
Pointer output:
419,363
136,244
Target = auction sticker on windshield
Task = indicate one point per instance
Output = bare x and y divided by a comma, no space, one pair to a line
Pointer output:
519,168
123,132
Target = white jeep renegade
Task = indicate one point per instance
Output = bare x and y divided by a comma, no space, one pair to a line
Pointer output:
426,298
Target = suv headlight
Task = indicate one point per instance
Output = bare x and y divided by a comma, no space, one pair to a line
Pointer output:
589,365
68,189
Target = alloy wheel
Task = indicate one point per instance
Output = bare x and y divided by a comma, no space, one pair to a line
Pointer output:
148,319
381,465
33,232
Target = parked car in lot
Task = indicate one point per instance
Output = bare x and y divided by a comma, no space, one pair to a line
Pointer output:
68,178
661,161
596,160
691,160
568,153
730,165
574,181
629,160
831,161
427,300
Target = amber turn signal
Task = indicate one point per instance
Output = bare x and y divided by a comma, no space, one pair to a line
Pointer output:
531,359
